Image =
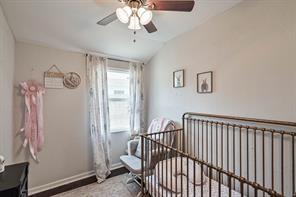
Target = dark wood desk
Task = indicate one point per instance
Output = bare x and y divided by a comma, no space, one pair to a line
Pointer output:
14,180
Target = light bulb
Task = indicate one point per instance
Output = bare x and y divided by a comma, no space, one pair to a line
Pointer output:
141,10
146,17
128,10
134,23
122,15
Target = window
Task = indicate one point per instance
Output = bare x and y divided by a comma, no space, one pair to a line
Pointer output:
118,96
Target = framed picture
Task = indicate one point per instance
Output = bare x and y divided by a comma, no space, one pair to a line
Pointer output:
205,82
178,78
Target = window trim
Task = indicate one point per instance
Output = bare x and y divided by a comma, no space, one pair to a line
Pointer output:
118,131
118,69
118,99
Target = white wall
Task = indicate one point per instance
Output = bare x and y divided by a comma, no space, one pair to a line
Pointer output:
6,87
251,50
67,149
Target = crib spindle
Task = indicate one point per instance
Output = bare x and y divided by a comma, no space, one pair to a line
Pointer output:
282,162
227,148
233,153
272,160
263,159
188,176
207,141
202,140
293,165
248,169
219,183
201,187
229,186
255,155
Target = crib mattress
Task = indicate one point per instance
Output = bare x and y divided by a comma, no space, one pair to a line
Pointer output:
157,190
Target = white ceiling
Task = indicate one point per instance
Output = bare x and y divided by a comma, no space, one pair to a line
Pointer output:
71,25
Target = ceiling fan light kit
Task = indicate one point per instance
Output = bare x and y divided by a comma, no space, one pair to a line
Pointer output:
139,12
134,13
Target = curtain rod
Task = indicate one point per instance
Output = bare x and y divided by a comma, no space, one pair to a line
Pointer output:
112,58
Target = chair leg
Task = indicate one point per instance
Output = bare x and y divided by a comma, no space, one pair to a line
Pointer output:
146,194
140,194
132,178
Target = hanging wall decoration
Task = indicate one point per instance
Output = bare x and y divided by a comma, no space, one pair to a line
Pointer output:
178,78
33,125
72,80
205,82
2,166
53,79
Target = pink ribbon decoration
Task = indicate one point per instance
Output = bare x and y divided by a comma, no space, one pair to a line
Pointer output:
33,125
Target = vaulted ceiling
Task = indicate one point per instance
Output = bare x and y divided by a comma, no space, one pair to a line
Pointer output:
71,25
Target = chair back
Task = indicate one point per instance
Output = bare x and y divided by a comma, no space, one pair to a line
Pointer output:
162,124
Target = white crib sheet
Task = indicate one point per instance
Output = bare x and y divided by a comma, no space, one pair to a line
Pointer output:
159,191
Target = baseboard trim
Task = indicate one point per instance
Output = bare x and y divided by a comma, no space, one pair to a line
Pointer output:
116,166
73,182
61,182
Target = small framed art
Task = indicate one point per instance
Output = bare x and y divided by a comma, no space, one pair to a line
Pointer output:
178,79
205,82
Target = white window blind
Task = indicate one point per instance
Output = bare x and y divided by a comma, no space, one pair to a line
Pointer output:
119,102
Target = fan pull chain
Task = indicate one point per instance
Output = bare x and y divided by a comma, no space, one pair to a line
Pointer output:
135,37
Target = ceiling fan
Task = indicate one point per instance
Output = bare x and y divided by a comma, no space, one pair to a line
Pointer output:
139,12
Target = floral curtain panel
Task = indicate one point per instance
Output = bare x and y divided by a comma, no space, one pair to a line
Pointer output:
136,98
99,115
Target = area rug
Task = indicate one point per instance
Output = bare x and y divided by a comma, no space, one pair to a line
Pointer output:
115,187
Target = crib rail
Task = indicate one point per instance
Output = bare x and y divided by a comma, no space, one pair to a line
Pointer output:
254,157
262,151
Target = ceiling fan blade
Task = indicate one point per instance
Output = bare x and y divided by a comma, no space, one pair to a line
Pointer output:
182,6
108,19
150,27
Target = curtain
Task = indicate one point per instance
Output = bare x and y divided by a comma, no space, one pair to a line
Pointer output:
136,98
99,115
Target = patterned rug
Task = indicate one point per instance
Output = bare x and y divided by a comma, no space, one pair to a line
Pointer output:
113,187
